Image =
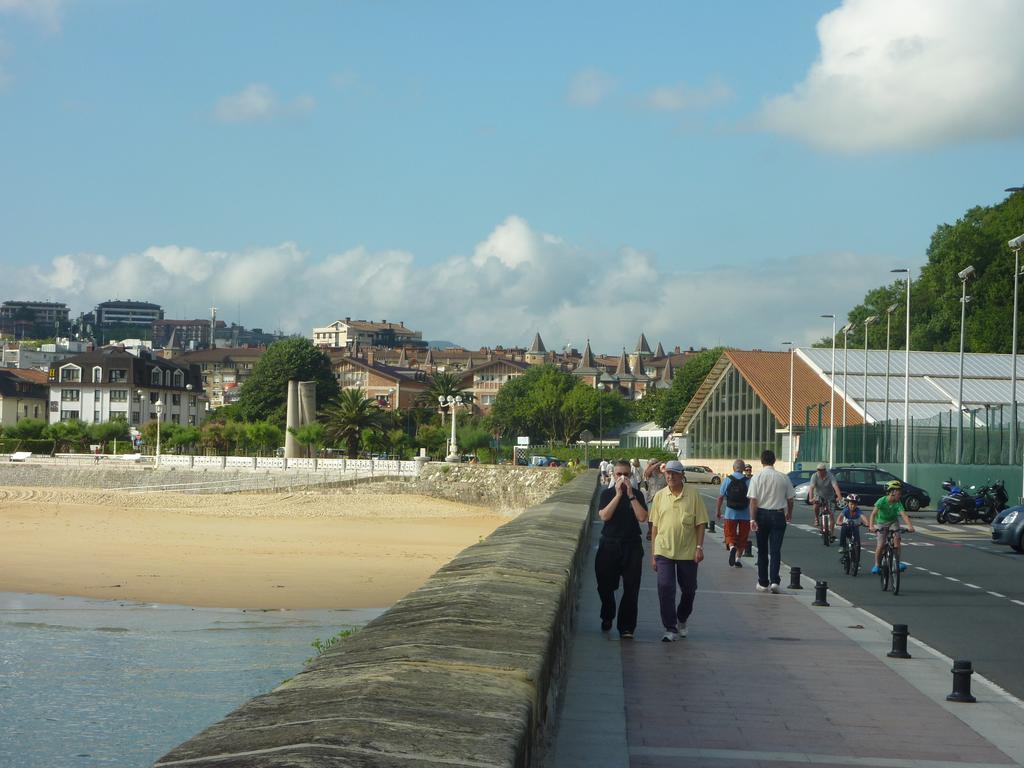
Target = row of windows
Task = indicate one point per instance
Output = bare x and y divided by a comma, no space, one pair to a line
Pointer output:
72,373
733,422
70,415
119,396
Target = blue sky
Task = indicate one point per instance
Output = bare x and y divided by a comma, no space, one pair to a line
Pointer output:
484,171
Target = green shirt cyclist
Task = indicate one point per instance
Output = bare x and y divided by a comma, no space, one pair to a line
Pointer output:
885,515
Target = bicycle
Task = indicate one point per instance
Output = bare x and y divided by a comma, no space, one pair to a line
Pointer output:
826,520
889,564
849,555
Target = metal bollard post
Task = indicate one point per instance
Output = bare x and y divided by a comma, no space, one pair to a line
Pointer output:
899,642
820,593
794,577
962,671
749,551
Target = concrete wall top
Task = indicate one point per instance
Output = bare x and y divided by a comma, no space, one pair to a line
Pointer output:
462,671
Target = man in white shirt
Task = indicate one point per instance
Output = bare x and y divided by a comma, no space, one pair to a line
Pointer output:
771,508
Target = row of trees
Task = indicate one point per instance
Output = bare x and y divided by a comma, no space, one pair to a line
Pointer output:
979,239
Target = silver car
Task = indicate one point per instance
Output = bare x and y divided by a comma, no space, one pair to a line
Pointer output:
698,474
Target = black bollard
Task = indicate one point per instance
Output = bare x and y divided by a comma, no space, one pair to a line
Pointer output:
794,577
962,671
899,642
749,551
820,593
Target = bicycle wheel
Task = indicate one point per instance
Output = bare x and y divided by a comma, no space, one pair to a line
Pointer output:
825,539
883,573
895,571
855,559
844,557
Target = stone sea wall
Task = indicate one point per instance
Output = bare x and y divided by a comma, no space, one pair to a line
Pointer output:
463,671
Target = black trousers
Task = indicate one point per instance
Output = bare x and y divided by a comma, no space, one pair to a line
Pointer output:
619,559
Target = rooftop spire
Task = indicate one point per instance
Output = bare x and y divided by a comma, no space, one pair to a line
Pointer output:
642,347
537,347
622,369
660,351
587,360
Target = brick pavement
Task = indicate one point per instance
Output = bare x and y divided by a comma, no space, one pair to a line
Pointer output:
762,680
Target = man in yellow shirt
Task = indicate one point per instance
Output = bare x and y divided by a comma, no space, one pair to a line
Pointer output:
678,521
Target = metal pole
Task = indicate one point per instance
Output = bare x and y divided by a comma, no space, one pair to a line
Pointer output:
846,368
864,428
960,380
791,454
832,401
906,392
1013,365
888,328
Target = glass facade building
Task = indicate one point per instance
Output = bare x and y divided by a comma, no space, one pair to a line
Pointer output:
733,421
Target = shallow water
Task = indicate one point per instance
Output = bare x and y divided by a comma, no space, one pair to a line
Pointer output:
101,683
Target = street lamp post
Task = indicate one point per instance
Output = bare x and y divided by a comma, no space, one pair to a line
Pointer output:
888,328
159,418
832,400
906,385
964,275
845,330
451,403
864,428
1015,246
791,351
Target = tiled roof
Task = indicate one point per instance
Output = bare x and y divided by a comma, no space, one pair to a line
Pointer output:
28,374
767,373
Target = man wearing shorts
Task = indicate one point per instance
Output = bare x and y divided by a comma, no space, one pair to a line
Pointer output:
822,492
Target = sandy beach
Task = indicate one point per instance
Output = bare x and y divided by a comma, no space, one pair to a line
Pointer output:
323,549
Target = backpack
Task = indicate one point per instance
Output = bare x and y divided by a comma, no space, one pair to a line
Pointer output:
736,493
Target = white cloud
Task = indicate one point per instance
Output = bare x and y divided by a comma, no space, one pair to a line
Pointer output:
590,87
257,102
908,74
675,98
517,281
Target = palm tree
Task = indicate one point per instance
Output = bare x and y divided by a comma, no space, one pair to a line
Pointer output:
443,384
348,415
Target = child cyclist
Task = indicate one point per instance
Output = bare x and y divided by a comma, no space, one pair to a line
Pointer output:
850,520
886,515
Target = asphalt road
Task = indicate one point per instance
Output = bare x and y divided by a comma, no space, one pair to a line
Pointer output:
960,594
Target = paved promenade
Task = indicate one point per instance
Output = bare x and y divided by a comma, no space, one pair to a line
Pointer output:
768,680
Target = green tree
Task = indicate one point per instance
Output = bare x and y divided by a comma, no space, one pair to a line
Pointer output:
265,436
26,429
347,416
265,394
472,438
579,407
183,439
685,384
443,384
432,437
70,436
214,438
646,408
108,431
612,412
312,436
397,442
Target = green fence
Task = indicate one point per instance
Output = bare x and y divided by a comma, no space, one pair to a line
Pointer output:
931,442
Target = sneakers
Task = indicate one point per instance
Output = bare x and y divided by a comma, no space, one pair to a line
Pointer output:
682,631
605,626
903,567
670,636
775,588
738,564
626,635
732,556
875,569
759,588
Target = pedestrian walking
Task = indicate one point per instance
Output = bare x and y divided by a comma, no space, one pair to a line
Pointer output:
733,496
620,551
771,508
654,481
678,521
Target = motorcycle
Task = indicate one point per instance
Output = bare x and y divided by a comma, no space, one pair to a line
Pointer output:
970,505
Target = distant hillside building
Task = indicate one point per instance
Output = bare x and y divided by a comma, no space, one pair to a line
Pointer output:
223,371
138,313
184,334
343,334
20,318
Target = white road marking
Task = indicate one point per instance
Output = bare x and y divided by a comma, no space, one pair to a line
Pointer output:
972,586
996,594
952,578
1018,602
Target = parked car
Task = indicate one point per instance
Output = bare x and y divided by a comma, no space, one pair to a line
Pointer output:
1008,528
800,476
699,474
868,484
544,461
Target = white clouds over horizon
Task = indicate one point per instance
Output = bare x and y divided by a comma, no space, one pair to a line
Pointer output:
258,102
517,281
676,98
908,75
589,87
45,12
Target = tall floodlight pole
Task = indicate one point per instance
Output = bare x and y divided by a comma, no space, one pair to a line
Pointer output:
906,385
845,330
790,345
964,275
832,401
888,327
864,429
1015,245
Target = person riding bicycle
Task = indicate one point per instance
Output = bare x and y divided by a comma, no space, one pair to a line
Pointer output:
885,516
821,493
851,518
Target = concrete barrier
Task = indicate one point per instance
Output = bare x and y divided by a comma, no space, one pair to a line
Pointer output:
463,671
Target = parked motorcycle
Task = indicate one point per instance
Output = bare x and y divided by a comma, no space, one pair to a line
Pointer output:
973,504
